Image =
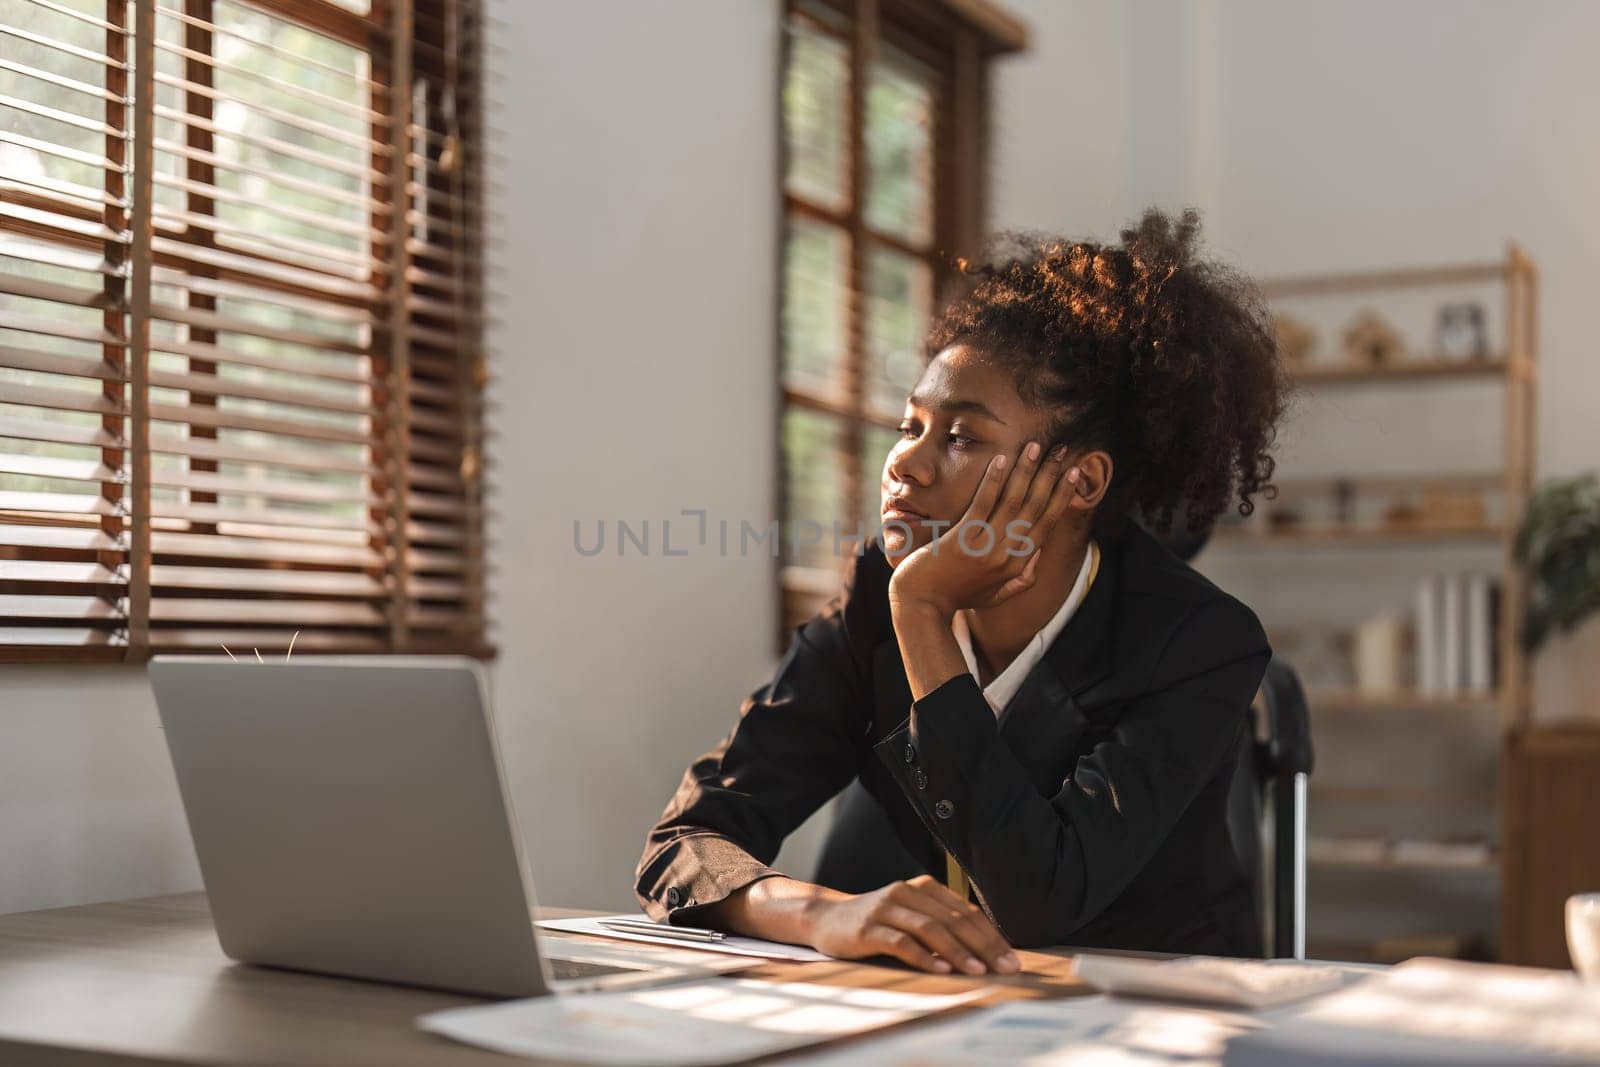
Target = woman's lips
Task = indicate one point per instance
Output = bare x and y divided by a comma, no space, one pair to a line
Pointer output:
902,512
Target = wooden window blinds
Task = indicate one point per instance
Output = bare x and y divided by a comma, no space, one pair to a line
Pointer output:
241,366
884,136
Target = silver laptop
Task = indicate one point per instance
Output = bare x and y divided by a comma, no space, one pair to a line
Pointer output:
351,818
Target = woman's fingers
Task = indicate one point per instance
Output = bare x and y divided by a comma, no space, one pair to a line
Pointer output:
994,476
964,920
886,940
935,934
1042,490
1017,485
1060,500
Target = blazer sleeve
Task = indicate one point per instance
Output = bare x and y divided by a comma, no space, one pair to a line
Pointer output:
1045,865
799,740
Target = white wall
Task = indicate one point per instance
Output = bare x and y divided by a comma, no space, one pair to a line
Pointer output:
636,278
88,807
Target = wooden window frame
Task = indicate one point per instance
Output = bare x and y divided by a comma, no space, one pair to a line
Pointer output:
426,326
955,39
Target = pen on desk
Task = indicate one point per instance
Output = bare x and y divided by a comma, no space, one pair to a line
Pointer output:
654,929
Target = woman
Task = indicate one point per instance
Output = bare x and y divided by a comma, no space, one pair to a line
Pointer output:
1045,701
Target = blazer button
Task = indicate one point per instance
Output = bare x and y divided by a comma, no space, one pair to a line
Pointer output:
920,779
944,809
911,752
674,897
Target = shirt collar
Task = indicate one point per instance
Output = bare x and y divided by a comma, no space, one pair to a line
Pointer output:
1000,691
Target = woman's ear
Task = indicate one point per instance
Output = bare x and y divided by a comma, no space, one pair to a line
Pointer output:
1094,478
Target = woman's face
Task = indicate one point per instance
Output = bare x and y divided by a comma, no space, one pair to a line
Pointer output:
962,412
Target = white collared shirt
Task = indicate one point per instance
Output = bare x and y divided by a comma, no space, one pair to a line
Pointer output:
1000,691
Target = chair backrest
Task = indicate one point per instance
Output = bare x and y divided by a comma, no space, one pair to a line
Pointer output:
1275,761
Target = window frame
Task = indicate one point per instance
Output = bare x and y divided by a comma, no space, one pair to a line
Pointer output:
398,37
955,40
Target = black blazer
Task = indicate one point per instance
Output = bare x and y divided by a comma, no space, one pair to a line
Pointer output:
1093,813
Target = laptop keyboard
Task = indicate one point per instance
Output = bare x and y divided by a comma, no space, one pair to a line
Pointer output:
564,969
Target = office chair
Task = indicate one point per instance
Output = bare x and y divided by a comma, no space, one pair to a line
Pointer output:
1275,762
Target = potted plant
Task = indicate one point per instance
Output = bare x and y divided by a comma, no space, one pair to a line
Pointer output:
1559,544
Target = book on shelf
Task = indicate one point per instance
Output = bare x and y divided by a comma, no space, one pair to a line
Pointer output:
1455,623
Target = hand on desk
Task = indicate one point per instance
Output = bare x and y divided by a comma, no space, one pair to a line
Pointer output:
919,921
912,921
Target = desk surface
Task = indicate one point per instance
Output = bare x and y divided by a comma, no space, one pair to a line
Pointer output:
144,982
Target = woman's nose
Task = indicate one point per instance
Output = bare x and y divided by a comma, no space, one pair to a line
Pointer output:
907,468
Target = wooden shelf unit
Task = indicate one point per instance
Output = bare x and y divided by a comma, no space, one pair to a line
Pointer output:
1402,370
1513,367
1383,536
1333,700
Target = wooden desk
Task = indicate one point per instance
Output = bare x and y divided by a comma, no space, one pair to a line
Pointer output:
144,982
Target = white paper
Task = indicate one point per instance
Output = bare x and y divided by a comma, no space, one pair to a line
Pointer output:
1425,1013
737,946
716,1021
1093,1031
670,961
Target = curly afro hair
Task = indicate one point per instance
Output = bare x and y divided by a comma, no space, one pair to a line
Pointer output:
1165,360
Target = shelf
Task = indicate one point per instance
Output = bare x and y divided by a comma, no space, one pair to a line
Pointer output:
1486,480
1416,369
1402,700
1399,948
1423,795
1330,533
1392,856
1362,281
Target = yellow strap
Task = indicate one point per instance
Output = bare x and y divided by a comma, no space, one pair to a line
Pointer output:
954,876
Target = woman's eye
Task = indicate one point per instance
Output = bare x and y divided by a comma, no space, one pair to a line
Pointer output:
961,440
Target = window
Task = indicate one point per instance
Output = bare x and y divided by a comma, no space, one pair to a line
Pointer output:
883,186
240,356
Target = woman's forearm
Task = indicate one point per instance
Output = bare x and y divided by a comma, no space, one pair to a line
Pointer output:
778,908
928,646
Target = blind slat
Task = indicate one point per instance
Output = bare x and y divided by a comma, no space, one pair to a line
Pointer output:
323,370
50,363
61,46
38,396
65,470
256,612
55,503
62,433
208,449
211,320
263,580
272,489
214,418
246,548
213,513
85,539
20,573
